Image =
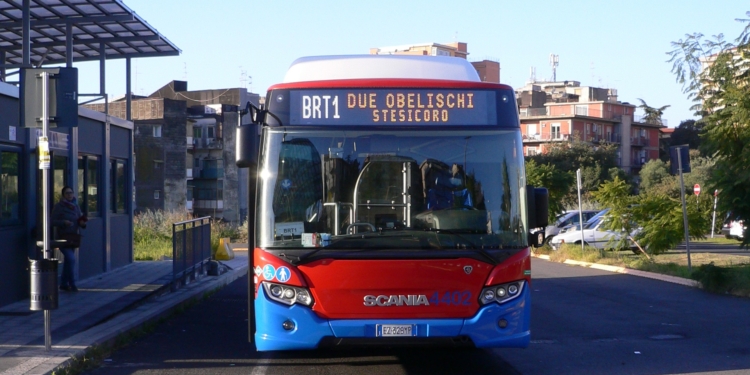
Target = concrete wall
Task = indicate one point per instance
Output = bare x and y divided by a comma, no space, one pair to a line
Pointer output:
160,161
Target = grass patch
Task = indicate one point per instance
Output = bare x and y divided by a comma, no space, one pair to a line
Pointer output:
718,273
152,233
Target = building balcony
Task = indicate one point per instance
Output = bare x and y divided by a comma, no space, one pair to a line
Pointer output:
603,138
208,204
639,141
212,173
639,161
532,112
642,120
546,138
208,143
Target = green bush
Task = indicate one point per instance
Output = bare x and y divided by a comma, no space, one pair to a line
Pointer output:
152,233
713,278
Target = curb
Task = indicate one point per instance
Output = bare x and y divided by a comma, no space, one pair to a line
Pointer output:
629,271
68,351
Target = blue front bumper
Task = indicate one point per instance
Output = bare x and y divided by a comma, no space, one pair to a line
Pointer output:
482,328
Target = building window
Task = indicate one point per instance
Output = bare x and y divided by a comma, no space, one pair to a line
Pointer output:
157,131
531,130
157,194
197,132
117,187
556,130
88,183
210,132
582,110
531,151
158,164
10,167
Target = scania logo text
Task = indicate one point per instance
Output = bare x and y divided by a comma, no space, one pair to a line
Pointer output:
397,300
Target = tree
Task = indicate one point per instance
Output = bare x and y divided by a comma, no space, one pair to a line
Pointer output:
662,224
655,220
716,75
653,174
597,164
615,195
652,115
688,133
556,181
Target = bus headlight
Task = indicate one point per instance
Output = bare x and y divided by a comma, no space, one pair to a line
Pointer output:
488,296
501,293
288,294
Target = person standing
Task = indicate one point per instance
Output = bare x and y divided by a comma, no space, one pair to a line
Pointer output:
68,219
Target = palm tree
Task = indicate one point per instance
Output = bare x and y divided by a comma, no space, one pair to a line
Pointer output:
652,115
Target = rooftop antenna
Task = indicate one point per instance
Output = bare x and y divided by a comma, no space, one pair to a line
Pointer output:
184,74
532,75
554,61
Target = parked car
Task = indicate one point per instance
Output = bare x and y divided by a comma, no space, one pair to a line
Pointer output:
594,235
566,218
577,226
734,227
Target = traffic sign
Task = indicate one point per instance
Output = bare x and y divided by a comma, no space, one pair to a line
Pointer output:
697,189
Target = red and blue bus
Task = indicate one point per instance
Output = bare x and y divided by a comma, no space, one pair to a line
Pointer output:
391,207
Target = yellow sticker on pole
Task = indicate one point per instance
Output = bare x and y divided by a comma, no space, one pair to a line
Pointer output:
44,159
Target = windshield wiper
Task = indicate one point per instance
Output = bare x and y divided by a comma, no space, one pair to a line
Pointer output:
458,233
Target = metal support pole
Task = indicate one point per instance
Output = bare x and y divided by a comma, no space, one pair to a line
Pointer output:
684,208
580,210
44,148
713,222
26,33
69,45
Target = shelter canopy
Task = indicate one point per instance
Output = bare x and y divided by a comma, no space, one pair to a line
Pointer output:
99,29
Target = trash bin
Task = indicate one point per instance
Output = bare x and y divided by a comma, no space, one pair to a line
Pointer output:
43,284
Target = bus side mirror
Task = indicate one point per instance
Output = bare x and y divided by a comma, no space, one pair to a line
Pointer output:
537,200
536,239
247,144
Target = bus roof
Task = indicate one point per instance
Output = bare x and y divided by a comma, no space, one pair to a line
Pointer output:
324,68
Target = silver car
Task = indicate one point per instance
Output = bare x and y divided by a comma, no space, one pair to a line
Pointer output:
565,219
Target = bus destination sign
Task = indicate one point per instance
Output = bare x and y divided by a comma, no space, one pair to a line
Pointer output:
393,107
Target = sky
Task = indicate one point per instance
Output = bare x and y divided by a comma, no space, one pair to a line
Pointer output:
244,43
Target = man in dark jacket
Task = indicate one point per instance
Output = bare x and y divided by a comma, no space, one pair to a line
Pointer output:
67,218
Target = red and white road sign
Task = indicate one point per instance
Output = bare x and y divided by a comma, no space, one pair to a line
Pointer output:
697,189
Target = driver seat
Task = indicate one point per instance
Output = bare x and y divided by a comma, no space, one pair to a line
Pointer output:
445,187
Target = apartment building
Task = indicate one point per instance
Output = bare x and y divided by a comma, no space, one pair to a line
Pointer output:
488,70
184,144
552,112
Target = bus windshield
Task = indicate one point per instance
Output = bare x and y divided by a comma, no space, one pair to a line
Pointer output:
391,189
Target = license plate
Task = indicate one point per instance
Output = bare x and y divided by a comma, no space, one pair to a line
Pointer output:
395,330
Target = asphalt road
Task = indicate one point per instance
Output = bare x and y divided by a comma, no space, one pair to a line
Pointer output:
584,321
715,248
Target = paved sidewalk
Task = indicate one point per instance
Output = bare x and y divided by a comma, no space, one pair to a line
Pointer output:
105,307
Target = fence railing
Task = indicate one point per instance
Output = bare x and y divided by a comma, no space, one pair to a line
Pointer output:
191,250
